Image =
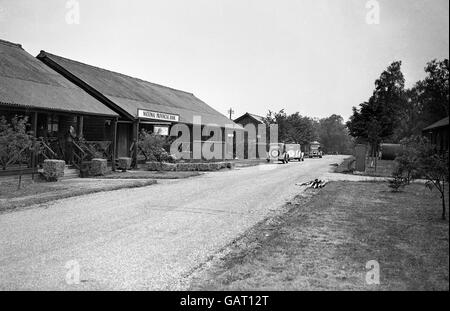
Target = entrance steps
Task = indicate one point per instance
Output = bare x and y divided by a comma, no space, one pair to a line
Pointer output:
70,173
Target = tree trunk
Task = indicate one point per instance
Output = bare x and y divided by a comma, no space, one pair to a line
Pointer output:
20,176
443,199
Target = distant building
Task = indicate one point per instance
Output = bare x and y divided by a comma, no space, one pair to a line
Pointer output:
249,118
438,134
250,144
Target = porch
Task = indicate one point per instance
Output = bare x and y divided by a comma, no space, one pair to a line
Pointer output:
71,137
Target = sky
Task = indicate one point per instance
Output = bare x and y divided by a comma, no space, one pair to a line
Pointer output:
315,57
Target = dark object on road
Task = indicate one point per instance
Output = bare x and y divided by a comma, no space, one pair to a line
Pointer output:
315,184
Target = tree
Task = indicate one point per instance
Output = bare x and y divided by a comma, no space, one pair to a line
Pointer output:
433,91
376,119
333,135
408,165
16,143
434,167
292,128
410,121
301,130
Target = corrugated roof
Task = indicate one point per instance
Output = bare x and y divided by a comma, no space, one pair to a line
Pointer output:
440,123
131,94
27,82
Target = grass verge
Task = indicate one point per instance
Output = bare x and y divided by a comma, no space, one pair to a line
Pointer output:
33,193
324,243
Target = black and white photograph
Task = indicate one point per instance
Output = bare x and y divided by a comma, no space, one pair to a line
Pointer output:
224,151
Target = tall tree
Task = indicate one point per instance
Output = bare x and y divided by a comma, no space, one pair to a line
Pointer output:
376,119
433,91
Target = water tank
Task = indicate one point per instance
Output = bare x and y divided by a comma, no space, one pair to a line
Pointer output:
390,151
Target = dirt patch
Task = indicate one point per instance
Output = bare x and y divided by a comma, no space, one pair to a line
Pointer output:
32,193
324,242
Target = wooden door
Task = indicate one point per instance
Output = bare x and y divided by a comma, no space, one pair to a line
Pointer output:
123,140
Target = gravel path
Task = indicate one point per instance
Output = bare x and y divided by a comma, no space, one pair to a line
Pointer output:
144,238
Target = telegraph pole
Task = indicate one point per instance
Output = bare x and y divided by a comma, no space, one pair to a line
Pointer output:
231,112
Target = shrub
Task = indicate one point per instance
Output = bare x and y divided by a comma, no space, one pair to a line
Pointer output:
53,169
154,147
434,168
408,161
16,143
397,182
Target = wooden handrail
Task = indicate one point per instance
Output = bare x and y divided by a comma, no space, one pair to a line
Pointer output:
133,145
47,148
79,148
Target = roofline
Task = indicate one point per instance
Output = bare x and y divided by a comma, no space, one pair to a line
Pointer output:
43,56
247,114
114,72
8,43
28,107
433,126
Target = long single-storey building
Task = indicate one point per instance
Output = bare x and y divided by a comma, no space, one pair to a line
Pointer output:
74,108
139,104
56,108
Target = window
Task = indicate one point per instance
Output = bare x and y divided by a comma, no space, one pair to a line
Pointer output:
161,130
52,124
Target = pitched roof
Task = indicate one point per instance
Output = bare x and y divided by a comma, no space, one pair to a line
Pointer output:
255,117
27,82
440,123
130,94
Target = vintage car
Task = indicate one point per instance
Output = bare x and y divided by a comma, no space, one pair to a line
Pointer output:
295,152
314,150
277,152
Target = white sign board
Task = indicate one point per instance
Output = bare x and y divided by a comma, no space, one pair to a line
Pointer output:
161,130
153,115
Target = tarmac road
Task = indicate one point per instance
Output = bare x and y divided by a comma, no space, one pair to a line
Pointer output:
144,238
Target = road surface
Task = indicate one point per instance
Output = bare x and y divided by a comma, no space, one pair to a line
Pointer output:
144,238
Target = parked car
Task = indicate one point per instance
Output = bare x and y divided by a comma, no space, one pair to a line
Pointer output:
277,152
295,152
313,150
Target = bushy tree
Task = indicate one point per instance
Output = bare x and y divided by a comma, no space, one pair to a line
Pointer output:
16,143
434,167
376,119
408,163
433,91
154,147
334,136
293,128
426,102
420,159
